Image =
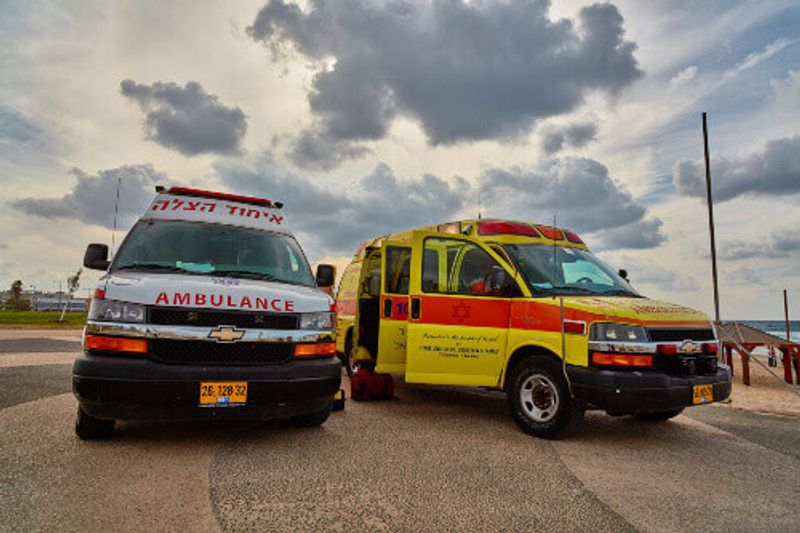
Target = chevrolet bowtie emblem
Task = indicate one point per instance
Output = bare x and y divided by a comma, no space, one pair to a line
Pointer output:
226,334
689,347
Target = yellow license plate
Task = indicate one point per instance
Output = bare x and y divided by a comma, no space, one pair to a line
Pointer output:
702,394
223,393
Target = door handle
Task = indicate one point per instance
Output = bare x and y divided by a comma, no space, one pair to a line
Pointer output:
416,307
387,308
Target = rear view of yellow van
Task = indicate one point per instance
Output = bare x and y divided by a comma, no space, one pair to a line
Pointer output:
526,309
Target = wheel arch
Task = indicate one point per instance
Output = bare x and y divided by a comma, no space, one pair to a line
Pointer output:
523,352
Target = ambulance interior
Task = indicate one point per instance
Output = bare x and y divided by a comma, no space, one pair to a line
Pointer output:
369,298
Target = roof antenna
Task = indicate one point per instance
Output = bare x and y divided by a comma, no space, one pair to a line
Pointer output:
555,275
116,210
479,203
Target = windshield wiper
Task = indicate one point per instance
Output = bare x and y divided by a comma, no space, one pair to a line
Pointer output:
559,288
621,292
150,266
248,274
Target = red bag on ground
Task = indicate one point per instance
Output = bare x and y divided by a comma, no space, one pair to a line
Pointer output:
367,386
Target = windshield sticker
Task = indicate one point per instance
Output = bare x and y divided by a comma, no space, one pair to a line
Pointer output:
225,300
203,268
567,251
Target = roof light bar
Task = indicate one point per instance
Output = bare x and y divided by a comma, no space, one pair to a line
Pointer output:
497,227
573,237
551,233
187,191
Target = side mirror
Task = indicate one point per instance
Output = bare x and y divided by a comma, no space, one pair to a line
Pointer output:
96,257
499,282
326,275
623,274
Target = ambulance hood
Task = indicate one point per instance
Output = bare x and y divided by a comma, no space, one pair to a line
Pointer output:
636,311
223,293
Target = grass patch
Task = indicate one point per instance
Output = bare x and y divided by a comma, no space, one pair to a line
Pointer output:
41,319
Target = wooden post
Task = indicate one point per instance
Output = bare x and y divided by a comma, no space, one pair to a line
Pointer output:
711,220
786,315
787,365
728,349
745,366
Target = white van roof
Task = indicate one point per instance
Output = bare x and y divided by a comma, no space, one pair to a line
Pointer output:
196,205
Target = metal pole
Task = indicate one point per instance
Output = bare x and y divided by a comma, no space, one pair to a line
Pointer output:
711,220
786,313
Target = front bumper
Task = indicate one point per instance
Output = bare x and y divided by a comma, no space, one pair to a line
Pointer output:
642,392
128,388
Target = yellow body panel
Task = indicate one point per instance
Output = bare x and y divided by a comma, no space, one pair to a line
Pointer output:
453,355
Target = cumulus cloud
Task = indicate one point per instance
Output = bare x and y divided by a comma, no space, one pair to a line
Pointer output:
93,196
774,171
463,70
338,218
684,76
778,244
580,192
650,273
575,135
187,119
787,91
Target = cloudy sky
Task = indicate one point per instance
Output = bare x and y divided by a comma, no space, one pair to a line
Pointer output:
366,117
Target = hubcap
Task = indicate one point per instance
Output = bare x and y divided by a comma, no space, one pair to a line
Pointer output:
539,398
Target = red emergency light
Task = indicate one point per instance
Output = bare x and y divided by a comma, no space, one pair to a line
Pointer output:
200,193
498,227
572,237
551,233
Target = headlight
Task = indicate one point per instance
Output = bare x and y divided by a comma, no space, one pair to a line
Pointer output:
323,320
609,331
114,311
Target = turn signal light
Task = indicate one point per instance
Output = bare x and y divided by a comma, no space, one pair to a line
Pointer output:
620,359
314,350
115,344
575,326
667,349
710,348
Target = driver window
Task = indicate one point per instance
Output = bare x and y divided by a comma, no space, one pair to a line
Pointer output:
467,272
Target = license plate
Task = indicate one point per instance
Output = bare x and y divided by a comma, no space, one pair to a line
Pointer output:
223,393
702,394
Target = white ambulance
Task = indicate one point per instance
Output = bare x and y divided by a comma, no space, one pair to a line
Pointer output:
208,310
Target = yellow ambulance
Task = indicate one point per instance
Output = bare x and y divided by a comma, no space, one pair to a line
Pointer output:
527,309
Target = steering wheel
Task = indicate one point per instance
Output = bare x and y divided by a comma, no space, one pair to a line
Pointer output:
584,279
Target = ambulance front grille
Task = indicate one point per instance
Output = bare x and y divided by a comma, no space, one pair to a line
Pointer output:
179,316
216,353
680,334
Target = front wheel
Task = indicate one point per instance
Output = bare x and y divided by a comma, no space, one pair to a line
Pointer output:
312,419
661,416
539,399
88,427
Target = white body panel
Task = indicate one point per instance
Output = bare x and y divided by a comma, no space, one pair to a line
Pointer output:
201,291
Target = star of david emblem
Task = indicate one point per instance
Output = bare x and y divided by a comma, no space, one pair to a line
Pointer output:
461,311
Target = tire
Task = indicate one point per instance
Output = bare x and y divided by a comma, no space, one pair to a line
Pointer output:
350,366
312,419
88,427
539,399
662,416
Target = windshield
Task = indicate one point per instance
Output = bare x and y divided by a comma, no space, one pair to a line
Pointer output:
214,250
556,270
